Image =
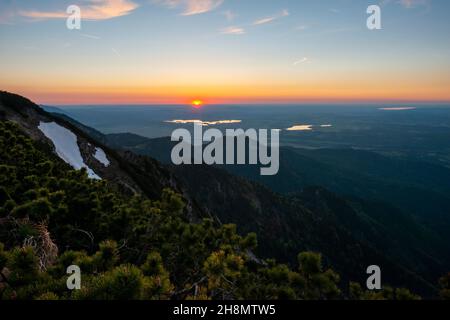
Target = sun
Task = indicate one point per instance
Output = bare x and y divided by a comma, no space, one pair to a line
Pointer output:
197,103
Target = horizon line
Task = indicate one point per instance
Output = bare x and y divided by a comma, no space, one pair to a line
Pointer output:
256,103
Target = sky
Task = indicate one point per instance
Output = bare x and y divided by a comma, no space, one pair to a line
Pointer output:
225,51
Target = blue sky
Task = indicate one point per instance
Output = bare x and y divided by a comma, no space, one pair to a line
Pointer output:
225,50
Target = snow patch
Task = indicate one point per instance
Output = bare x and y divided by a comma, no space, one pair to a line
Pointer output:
101,156
66,146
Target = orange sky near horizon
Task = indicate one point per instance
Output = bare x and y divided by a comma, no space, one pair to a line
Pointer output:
235,94
315,82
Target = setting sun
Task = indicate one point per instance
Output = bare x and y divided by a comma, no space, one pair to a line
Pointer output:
197,103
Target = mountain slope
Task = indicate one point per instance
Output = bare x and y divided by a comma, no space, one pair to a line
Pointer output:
416,187
331,225
127,247
382,190
128,172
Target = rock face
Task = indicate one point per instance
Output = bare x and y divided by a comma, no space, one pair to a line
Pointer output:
60,136
129,173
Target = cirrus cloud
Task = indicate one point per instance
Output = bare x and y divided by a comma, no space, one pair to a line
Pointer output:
407,4
302,60
95,10
233,30
413,3
282,14
191,7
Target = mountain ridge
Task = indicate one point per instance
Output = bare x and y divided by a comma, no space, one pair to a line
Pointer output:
284,225
228,197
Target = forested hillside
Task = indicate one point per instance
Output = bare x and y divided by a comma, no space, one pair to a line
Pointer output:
132,246
127,247
353,228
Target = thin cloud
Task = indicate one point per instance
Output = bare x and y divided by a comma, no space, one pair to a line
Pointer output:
7,12
116,52
282,14
302,28
302,60
191,7
233,30
90,36
95,10
413,3
229,15
408,4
